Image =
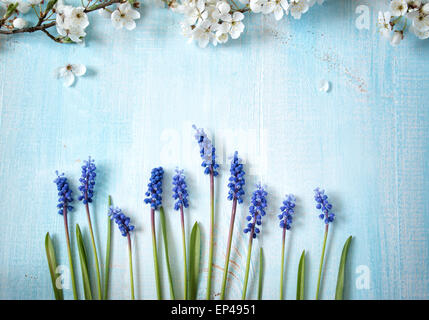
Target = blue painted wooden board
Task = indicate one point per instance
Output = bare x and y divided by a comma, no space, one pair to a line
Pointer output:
365,142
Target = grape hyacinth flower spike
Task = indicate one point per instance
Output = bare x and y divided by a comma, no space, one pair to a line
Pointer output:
285,217
86,188
154,199
125,227
256,212
327,216
208,154
180,194
235,194
65,199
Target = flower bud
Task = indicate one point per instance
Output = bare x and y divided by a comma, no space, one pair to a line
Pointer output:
397,37
19,23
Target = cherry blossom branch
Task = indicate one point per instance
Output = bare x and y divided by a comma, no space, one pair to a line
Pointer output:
41,26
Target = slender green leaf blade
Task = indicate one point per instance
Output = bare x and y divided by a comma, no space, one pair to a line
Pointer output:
194,260
83,264
167,258
341,271
300,286
261,272
107,261
52,263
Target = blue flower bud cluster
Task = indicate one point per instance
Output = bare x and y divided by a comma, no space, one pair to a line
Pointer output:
180,192
87,181
64,193
207,151
256,210
154,192
287,210
236,181
323,205
121,220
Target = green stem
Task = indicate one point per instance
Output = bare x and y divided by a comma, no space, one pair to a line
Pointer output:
130,257
228,249
155,258
321,261
249,254
107,262
282,264
209,274
94,248
185,268
261,273
69,252
167,256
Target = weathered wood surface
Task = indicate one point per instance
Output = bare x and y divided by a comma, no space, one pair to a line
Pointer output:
365,142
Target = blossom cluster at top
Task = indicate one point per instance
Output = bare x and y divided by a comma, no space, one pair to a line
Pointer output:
256,210
64,193
154,191
180,190
323,204
287,210
207,151
236,180
87,181
121,220
403,14
215,21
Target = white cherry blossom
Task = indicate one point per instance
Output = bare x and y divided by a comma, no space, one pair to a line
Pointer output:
237,27
281,7
298,7
421,34
68,72
124,16
384,23
421,22
78,18
202,34
398,8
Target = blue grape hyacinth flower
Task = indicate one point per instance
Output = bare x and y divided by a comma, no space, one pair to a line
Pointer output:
236,180
121,220
323,205
287,211
87,181
207,151
154,192
180,192
256,210
64,193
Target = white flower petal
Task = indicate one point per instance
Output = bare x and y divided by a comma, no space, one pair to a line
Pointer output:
278,13
78,69
68,79
133,14
129,24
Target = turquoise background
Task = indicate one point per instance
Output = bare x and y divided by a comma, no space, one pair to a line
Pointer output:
365,142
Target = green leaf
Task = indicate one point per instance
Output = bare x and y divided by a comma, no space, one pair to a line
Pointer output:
50,5
107,261
83,264
261,272
10,10
341,271
300,288
167,259
194,260
52,263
